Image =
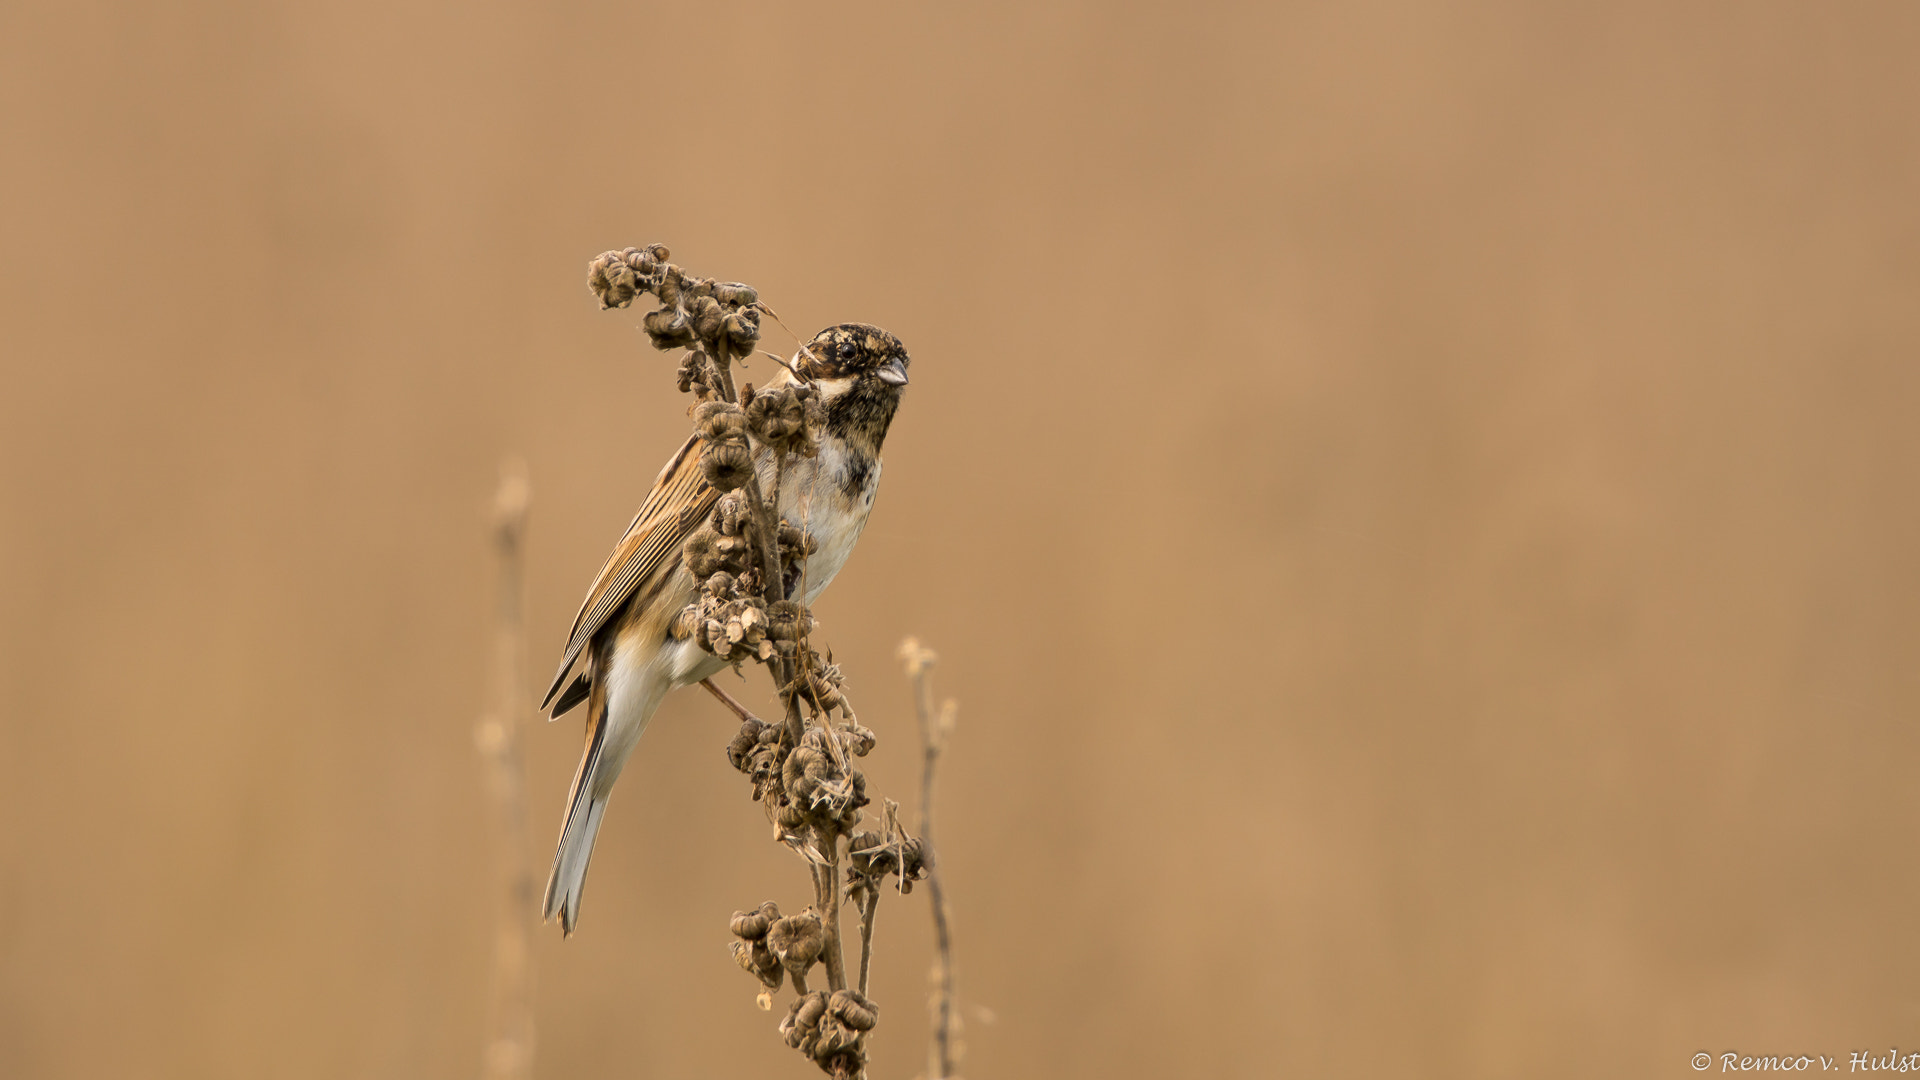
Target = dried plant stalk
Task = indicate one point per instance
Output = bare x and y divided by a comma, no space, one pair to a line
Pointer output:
750,609
935,730
508,1054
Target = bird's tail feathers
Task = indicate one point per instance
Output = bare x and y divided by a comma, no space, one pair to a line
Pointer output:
584,811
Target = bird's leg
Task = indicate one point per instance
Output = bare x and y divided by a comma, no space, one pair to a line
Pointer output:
726,699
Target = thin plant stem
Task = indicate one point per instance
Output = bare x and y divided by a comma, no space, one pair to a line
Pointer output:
509,1048
726,699
867,911
830,897
723,369
933,733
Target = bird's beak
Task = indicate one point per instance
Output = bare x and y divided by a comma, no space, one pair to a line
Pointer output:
894,374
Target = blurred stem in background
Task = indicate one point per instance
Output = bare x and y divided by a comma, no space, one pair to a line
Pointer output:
508,1054
935,729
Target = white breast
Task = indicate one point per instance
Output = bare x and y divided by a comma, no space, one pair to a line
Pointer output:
813,495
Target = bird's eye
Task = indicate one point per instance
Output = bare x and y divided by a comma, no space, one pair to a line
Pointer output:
845,351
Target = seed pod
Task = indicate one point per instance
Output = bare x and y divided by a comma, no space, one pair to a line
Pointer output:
810,1009
613,280
731,514
854,1010
798,941
756,960
787,621
668,290
663,323
735,294
859,740
803,1020
698,551
796,543
862,847
834,1037
694,376
727,465
753,925
740,750
741,334
729,556
668,328
763,762
707,317
801,775
719,420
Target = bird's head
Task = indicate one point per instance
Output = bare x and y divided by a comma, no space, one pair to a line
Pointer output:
861,371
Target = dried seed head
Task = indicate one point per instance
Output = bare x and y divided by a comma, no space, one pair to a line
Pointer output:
668,329
803,772
753,925
707,317
732,514
717,420
726,465
854,1010
735,294
802,1025
708,553
752,952
742,746
873,856
616,277
696,377
724,456
861,849
757,960
738,629
780,418
789,620
668,288
796,543
819,684
859,741
742,329
798,941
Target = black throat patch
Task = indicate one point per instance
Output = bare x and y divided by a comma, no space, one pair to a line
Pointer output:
856,477
862,414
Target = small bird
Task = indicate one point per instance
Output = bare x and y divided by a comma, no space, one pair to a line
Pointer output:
626,643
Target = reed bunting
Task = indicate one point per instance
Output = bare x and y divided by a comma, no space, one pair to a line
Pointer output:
628,647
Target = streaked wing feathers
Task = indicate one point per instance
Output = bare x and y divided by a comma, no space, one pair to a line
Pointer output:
680,500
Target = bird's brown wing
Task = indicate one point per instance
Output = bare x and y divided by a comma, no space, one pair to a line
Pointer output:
680,500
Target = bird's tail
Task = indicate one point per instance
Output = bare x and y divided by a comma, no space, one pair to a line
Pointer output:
584,811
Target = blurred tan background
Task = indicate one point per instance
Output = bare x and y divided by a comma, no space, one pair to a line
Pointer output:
1417,503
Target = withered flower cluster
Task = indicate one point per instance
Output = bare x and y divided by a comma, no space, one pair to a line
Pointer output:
809,789
691,309
828,1026
831,1029
750,609
771,947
